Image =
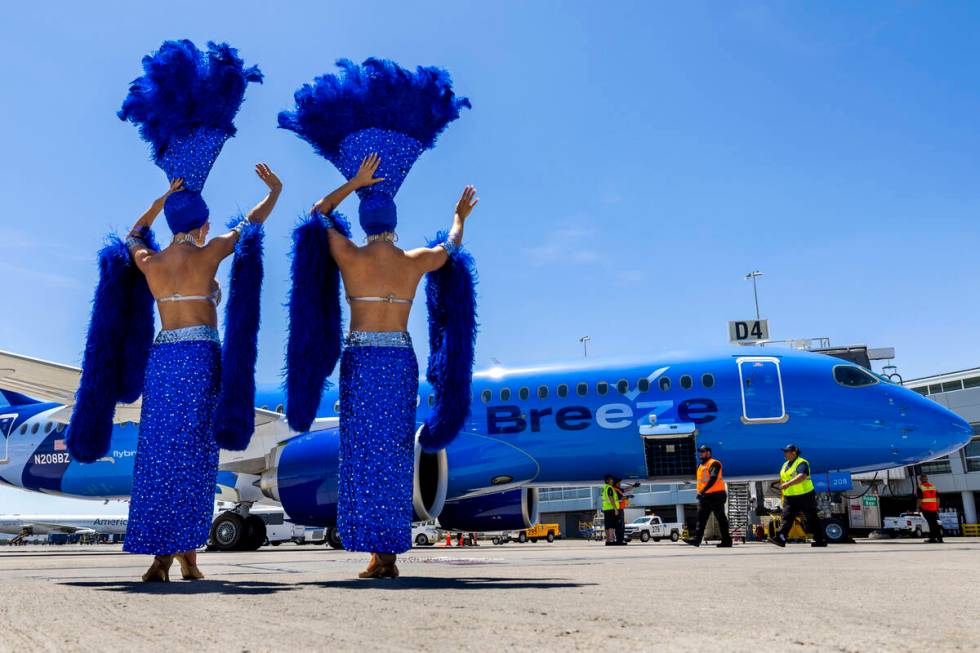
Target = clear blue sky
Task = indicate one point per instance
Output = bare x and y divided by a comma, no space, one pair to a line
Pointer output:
634,161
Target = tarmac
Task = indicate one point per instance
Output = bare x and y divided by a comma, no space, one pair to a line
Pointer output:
891,595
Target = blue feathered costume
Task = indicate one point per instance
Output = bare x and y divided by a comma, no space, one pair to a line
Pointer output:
197,396
376,107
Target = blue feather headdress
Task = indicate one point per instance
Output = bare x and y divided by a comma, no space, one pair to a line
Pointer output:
184,106
380,107
375,107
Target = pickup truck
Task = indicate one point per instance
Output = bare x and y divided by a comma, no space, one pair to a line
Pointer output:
651,527
913,523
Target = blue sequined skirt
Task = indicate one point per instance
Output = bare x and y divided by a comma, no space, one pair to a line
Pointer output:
176,464
379,382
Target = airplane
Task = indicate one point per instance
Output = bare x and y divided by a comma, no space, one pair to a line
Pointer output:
529,428
22,526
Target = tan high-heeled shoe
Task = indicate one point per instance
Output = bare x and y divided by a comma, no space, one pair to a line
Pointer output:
388,567
159,571
373,569
187,570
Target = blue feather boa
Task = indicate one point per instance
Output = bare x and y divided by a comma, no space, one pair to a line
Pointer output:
450,295
234,415
120,334
315,325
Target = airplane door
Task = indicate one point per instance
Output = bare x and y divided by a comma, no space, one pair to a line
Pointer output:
6,428
762,390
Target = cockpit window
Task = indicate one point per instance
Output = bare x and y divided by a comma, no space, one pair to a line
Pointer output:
852,376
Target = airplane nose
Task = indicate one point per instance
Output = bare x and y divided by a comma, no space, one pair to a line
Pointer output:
944,431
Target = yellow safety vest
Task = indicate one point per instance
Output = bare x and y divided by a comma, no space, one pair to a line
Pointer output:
788,473
609,503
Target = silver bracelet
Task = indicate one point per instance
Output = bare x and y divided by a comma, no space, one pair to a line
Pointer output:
450,247
240,227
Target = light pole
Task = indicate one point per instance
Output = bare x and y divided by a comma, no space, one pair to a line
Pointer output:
755,274
585,344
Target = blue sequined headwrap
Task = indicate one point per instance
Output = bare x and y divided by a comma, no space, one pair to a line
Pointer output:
375,107
184,106
384,108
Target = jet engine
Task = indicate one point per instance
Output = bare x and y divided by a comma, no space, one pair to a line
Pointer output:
505,511
301,474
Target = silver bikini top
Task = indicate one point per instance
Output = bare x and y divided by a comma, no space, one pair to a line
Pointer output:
389,299
214,297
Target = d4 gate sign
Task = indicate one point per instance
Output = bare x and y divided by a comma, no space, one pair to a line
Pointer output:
748,330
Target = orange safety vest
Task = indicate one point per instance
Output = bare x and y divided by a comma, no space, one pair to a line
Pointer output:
623,501
930,498
704,475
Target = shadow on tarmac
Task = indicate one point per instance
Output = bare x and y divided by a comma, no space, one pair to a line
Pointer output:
436,583
206,586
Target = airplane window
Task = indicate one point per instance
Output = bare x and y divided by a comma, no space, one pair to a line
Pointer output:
643,384
582,389
708,380
505,394
687,382
485,396
664,383
336,406
562,390
280,409
542,392
524,393
601,387
623,386
432,400
35,428
853,376
23,429
60,428
48,427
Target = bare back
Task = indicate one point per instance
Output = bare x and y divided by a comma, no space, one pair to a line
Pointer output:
380,269
183,269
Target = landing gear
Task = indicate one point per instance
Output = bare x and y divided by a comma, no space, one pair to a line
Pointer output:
227,531
333,539
835,530
236,530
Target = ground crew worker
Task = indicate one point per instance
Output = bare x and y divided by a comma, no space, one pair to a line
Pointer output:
928,501
610,509
712,495
624,502
798,497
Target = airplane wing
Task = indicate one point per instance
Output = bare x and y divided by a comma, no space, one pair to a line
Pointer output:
57,383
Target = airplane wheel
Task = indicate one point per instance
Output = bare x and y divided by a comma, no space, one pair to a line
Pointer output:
227,531
835,531
255,535
644,537
333,539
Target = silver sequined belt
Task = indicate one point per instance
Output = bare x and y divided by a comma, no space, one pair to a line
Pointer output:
188,334
378,339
